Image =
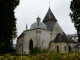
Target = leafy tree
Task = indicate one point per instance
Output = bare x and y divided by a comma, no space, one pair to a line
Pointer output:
7,25
75,15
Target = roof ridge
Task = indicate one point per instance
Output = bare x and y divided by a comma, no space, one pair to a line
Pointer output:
63,38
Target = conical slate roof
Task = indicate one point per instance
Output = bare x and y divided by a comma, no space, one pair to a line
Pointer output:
49,15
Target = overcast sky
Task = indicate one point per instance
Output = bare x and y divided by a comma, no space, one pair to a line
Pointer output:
28,10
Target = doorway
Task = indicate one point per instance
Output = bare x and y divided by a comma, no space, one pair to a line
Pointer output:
69,47
30,44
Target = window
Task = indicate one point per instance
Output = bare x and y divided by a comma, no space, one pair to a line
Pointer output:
57,48
65,48
69,48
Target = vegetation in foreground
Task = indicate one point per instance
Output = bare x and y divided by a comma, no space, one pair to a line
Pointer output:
43,56
8,30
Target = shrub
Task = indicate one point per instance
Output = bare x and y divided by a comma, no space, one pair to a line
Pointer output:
35,50
7,56
43,56
1,57
45,50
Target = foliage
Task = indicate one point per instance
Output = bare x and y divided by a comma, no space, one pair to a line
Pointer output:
75,15
7,24
35,50
44,56
45,50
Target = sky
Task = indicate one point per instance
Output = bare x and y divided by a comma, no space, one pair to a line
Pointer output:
28,10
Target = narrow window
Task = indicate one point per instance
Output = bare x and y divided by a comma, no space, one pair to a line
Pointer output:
65,48
69,48
57,48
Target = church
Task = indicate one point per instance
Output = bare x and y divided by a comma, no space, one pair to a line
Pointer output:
45,34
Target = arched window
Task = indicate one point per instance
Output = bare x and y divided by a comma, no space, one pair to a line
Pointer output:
57,48
30,44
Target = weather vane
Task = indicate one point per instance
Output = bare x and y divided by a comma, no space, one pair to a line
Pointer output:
49,4
38,16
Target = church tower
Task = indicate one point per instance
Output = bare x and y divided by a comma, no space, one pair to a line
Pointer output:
49,20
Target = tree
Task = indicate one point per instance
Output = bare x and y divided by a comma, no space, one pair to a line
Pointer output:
7,25
75,15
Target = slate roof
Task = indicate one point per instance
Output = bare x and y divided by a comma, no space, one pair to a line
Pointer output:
77,46
49,15
22,35
72,35
62,38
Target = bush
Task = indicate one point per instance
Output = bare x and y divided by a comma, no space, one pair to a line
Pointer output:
35,50
7,56
45,50
43,56
1,57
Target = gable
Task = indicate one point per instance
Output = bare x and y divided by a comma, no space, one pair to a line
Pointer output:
57,28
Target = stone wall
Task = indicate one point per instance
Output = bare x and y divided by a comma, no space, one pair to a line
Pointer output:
40,38
57,29
62,47
19,46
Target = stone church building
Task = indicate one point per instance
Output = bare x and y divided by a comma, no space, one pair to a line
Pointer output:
45,34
